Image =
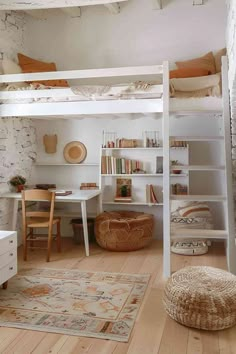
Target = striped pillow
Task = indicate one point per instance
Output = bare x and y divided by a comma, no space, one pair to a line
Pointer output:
195,210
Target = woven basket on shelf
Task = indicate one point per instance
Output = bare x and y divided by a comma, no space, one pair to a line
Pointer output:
124,230
202,297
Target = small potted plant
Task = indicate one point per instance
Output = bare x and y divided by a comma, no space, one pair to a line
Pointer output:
18,182
175,171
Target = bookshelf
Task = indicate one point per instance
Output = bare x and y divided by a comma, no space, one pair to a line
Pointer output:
140,165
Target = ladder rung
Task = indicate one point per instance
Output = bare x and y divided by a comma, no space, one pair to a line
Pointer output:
197,167
197,138
198,234
206,198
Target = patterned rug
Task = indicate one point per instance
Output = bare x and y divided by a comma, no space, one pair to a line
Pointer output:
100,305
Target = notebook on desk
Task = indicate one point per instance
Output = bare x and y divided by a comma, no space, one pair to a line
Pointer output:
60,192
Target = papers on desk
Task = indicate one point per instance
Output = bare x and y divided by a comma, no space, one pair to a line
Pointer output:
60,192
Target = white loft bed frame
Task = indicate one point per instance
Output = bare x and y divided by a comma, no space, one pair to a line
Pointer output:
68,109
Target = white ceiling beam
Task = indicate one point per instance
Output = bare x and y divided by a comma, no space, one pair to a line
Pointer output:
113,8
157,4
72,11
50,4
198,2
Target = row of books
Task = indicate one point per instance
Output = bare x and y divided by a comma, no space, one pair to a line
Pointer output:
86,186
115,165
179,189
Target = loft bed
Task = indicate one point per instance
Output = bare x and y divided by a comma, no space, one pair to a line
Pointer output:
39,101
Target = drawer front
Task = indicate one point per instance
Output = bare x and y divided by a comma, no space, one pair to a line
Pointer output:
7,257
8,244
8,271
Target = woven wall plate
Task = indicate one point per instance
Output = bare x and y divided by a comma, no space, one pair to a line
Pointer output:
75,152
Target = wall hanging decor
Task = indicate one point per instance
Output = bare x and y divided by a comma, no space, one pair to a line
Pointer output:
75,152
50,143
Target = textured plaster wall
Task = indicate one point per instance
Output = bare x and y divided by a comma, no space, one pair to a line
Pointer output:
17,135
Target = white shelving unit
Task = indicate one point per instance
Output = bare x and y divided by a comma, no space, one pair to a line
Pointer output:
147,158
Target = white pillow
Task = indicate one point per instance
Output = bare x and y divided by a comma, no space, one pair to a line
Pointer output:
10,67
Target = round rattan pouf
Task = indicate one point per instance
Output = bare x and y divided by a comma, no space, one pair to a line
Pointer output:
202,297
123,230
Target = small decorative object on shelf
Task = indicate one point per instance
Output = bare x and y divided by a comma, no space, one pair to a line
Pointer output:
85,186
159,164
18,182
126,143
109,139
123,190
178,143
179,189
175,163
50,143
151,138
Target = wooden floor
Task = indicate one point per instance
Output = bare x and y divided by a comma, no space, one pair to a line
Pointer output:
154,331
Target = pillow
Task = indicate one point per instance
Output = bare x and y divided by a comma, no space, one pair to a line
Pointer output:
195,83
218,56
195,210
205,62
10,67
188,72
29,65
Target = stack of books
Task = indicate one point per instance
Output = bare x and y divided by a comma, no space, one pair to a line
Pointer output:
88,186
60,192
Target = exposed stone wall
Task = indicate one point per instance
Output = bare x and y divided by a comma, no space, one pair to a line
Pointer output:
231,49
17,135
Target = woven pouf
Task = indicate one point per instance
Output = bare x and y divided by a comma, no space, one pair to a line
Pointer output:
124,230
202,297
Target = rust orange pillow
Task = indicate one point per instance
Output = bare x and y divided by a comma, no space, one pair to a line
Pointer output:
188,72
205,62
30,65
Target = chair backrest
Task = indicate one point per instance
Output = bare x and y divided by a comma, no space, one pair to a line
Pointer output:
37,195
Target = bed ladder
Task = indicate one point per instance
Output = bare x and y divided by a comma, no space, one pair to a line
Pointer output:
226,198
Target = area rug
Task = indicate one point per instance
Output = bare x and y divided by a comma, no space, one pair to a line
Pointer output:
91,304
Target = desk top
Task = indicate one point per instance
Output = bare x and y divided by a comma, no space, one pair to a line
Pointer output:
76,196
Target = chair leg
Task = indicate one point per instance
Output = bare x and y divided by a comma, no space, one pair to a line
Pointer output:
31,238
25,244
59,236
49,244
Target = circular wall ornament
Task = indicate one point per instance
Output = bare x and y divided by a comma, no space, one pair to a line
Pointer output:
75,152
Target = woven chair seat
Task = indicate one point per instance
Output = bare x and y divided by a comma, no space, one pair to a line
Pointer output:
202,297
124,230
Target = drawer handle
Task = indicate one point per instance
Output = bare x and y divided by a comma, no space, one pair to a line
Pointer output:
11,254
11,241
10,268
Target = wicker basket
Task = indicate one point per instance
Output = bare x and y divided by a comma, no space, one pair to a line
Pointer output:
124,230
202,297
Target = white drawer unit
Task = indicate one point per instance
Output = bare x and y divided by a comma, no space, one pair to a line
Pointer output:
8,256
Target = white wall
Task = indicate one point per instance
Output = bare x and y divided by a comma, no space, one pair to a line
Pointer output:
136,36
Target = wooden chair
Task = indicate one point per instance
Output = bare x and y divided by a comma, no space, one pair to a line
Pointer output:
39,219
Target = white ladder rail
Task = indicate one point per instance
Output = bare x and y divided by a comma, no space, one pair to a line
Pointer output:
166,174
229,205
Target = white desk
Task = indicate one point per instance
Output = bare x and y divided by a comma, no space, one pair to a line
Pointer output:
77,196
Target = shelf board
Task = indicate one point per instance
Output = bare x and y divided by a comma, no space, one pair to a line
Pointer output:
198,167
197,138
144,175
65,164
209,198
198,234
135,148
132,203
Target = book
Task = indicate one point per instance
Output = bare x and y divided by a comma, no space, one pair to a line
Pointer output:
60,192
123,199
150,194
